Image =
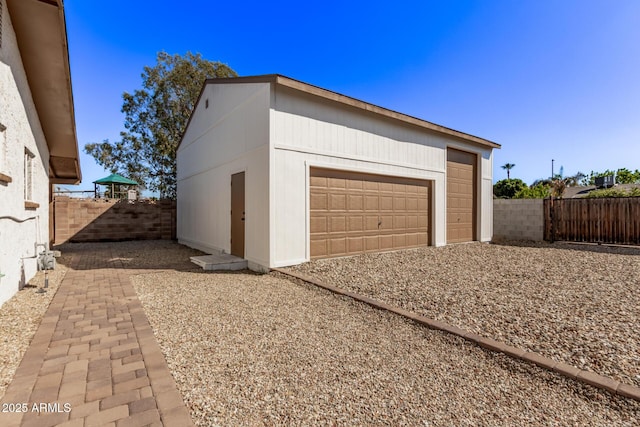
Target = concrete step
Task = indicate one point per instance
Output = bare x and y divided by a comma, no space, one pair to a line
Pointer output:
220,262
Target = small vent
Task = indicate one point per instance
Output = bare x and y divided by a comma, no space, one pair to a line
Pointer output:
604,181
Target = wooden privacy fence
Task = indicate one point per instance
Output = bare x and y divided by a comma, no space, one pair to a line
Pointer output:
606,220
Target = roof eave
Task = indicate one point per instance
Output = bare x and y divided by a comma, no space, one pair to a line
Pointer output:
40,30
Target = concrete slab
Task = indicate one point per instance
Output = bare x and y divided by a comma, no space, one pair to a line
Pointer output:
220,262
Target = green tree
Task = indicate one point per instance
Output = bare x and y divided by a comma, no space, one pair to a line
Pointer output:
508,188
574,180
591,179
508,167
541,191
625,176
155,118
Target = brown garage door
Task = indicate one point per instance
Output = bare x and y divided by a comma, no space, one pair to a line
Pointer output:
461,178
353,213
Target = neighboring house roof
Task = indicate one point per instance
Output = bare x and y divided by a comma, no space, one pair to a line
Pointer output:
578,192
353,102
114,178
42,39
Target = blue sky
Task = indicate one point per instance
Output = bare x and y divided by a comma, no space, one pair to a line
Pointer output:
546,79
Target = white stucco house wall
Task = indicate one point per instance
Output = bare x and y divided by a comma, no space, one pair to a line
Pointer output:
279,172
38,144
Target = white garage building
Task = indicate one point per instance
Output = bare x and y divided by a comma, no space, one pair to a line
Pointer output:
279,172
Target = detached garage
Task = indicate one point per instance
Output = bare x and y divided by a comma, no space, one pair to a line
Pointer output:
279,172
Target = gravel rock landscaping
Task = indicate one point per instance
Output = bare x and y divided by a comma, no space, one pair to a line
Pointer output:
19,320
249,349
572,303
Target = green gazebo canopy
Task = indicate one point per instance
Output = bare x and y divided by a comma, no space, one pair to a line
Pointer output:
114,178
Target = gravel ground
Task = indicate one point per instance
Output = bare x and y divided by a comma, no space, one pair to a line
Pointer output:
20,318
573,303
249,349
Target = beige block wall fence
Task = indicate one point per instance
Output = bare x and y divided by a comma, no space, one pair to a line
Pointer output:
89,220
518,219
99,220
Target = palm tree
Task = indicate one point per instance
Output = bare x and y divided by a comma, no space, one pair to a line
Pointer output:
508,167
574,180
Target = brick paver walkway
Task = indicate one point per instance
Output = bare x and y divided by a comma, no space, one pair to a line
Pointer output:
94,360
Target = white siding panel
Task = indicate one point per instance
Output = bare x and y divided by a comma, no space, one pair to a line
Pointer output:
487,196
486,232
230,136
343,131
204,207
236,121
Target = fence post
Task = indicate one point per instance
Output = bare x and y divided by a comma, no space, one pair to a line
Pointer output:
552,219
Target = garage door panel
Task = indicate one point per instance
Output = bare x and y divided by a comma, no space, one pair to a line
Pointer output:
386,242
371,243
371,186
337,224
371,203
337,183
461,198
318,224
385,187
318,201
422,239
355,244
386,222
411,203
371,223
399,222
423,205
411,190
386,203
318,181
338,246
399,203
399,241
319,248
356,223
399,188
355,202
337,202
357,213
355,184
